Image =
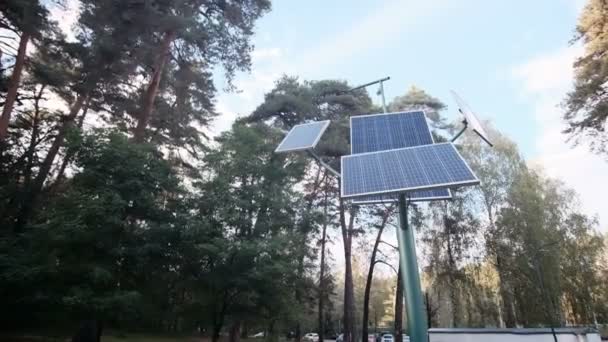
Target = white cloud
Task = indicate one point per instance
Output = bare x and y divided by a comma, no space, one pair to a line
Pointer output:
547,73
544,81
266,53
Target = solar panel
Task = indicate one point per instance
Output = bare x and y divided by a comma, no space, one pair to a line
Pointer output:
415,196
471,118
387,131
404,170
303,136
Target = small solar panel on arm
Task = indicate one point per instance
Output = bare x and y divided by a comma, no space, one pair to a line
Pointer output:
303,136
409,169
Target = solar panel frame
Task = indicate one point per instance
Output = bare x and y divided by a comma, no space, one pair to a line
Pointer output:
303,147
356,117
394,198
473,181
471,118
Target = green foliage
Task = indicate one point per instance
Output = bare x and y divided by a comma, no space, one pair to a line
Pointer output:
586,104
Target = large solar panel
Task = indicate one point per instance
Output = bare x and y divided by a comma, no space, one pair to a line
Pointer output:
404,170
471,118
380,132
303,137
414,196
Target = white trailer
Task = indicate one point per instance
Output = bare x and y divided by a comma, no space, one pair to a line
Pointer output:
514,335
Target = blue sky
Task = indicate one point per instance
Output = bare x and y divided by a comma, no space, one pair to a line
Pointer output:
511,60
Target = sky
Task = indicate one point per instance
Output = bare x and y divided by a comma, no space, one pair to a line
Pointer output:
511,61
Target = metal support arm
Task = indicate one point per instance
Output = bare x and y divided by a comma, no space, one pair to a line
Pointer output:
324,164
464,128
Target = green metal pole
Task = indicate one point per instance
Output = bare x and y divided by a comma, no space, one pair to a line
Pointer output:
416,317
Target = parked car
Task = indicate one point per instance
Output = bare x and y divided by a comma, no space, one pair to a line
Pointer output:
311,337
406,338
371,338
388,338
258,335
340,338
380,334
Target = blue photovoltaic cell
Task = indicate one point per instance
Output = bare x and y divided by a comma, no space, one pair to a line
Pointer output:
303,137
380,132
414,196
403,170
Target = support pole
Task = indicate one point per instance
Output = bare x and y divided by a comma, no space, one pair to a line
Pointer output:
382,94
416,317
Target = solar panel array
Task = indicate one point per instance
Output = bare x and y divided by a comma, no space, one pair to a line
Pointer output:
402,170
414,196
471,118
379,132
303,137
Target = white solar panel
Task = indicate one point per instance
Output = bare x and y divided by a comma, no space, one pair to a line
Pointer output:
404,170
471,118
303,136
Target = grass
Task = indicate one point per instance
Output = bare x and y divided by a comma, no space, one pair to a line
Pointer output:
108,338
115,338
149,338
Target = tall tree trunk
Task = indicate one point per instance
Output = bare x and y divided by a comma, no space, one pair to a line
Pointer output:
321,322
506,297
218,317
370,278
235,332
89,331
452,287
33,140
305,230
46,165
13,85
69,155
152,89
399,308
349,296
244,330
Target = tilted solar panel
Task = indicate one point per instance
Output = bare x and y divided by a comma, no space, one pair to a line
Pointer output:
380,132
303,137
404,170
414,196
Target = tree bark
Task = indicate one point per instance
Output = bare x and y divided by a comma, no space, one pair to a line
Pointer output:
235,331
89,331
152,89
349,296
218,319
70,155
452,287
505,295
370,277
13,85
321,322
399,308
46,165
33,140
